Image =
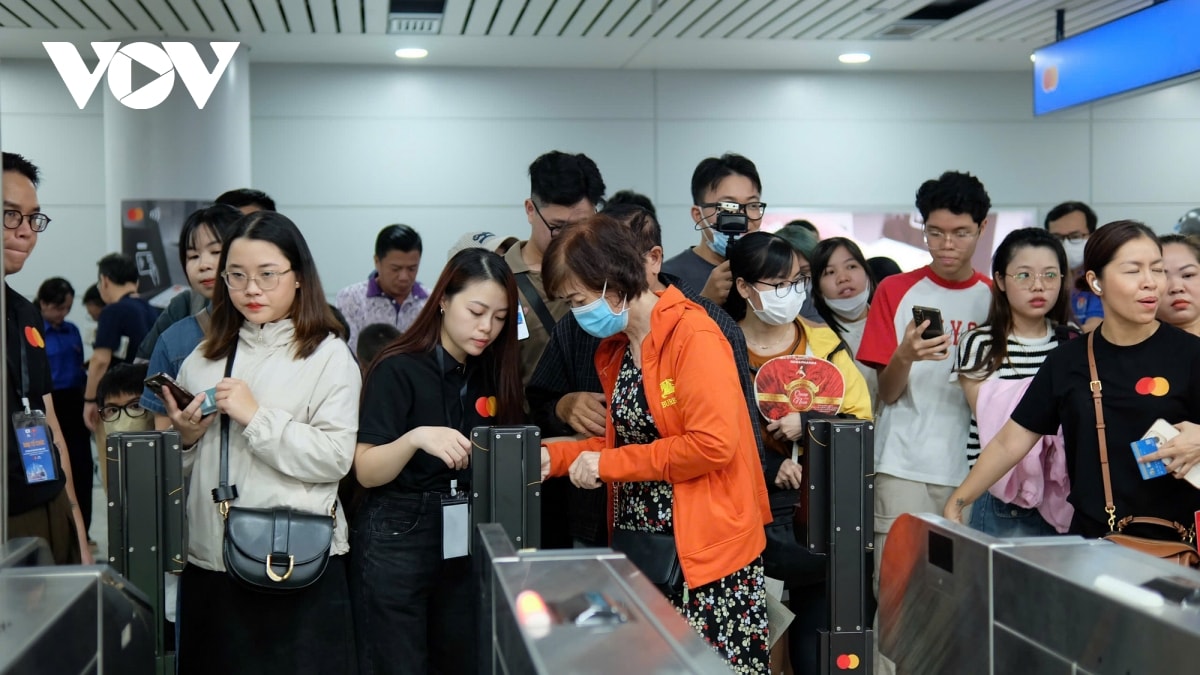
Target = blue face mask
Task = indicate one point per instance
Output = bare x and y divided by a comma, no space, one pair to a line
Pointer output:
599,320
719,242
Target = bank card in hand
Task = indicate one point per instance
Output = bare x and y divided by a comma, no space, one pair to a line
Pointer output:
1160,432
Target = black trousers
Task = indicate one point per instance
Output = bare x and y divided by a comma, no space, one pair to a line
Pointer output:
413,611
68,407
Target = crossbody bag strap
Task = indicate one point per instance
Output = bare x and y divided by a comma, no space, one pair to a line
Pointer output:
224,492
535,301
1094,385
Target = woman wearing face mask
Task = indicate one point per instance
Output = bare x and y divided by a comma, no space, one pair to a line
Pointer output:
843,295
1029,316
678,456
1147,371
454,369
200,243
770,285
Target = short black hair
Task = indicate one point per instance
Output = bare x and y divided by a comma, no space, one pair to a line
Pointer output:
373,339
397,238
246,197
565,179
1067,208
712,170
55,291
15,162
92,296
641,223
882,267
119,268
634,198
122,378
800,222
958,193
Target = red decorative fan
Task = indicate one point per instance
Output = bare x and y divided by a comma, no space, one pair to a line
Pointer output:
788,384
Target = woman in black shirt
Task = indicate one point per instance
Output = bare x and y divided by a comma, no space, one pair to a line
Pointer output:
1147,370
454,369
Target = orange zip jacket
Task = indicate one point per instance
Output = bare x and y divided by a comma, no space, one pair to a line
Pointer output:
706,448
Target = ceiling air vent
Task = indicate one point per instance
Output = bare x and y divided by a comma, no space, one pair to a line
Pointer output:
933,14
904,29
415,17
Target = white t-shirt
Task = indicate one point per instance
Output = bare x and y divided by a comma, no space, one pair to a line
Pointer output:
923,435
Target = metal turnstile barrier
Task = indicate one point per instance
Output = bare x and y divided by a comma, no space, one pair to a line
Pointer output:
601,615
954,600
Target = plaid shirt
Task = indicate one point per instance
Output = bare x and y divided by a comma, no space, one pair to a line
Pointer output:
364,303
568,365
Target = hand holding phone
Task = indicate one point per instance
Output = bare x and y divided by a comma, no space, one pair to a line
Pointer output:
160,382
934,316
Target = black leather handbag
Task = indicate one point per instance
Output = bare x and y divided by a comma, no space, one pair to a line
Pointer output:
654,554
270,550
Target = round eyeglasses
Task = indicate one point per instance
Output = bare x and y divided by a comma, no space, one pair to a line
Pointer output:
110,413
38,222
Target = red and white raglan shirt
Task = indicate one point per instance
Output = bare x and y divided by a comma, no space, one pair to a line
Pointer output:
922,437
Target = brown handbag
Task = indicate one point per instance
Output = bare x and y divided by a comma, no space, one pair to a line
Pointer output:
1180,552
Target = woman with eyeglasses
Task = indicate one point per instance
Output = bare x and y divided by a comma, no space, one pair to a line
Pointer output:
768,290
1030,315
279,368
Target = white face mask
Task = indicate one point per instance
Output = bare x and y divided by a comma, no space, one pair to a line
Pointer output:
777,311
849,308
1074,252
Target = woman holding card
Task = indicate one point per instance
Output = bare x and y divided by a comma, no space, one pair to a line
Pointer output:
1145,370
768,289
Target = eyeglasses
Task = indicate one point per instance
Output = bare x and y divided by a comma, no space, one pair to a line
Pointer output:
110,413
1074,236
1026,279
937,237
555,228
753,210
38,222
786,288
240,281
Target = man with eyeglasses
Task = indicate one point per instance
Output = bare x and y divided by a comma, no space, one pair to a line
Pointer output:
726,203
41,498
921,429
1073,223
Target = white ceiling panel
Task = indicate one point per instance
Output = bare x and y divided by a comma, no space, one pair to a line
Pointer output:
215,14
584,17
270,15
29,16
244,16
612,13
323,18
481,15
295,16
138,15
78,12
54,15
798,26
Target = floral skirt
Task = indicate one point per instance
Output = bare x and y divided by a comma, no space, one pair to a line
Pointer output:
731,615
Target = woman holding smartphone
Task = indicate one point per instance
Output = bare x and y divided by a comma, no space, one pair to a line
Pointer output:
292,403
454,369
1147,370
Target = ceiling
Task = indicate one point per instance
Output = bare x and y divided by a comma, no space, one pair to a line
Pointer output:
707,34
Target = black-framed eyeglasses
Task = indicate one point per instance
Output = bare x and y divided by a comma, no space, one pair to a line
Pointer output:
555,228
110,413
1074,236
240,281
753,210
38,222
786,288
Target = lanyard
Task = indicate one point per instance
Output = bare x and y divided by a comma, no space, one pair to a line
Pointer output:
462,392
24,392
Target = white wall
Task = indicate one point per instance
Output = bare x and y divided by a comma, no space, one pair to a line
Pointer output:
346,150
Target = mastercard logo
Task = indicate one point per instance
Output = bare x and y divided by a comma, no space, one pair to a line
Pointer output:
486,406
1152,386
33,337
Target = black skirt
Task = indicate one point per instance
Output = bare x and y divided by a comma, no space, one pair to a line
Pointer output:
226,628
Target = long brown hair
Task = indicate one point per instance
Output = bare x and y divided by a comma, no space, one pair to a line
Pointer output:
311,316
500,361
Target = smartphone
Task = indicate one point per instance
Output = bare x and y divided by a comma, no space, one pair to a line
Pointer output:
183,398
934,315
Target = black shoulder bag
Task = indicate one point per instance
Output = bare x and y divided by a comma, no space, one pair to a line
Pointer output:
270,550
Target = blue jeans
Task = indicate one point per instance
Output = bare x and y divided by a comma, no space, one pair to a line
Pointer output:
1000,519
413,611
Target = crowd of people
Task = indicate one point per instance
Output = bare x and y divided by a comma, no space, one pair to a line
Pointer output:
639,368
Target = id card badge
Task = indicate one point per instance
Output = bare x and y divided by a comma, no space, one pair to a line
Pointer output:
37,453
456,524
522,327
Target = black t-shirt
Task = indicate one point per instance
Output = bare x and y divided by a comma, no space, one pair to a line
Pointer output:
1159,377
25,328
123,325
407,391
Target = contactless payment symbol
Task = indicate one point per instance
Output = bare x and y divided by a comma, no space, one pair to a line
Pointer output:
1152,386
788,384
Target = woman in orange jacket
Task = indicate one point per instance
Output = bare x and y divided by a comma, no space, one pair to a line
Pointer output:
678,457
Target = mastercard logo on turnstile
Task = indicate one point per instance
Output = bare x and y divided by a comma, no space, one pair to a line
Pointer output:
789,384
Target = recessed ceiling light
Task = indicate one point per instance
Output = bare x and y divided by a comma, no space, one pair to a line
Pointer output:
855,57
411,53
